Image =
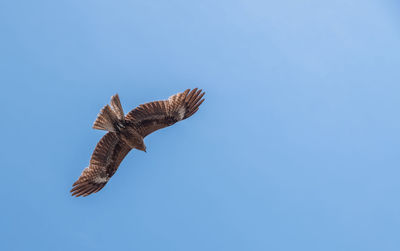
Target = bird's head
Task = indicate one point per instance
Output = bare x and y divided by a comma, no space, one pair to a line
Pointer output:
141,147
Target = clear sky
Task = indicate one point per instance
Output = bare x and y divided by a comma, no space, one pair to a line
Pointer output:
297,146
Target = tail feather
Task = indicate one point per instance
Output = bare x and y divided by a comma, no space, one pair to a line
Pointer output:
117,107
106,120
111,118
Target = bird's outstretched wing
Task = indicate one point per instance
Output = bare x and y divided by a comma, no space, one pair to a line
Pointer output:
149,117
107,156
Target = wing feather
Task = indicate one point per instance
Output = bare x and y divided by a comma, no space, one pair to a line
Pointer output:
149,117
107,156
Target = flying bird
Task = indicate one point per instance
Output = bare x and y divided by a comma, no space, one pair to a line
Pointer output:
127,132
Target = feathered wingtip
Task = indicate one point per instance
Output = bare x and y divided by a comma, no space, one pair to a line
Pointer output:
193,100
109,119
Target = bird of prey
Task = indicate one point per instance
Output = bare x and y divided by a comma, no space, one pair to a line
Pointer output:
127,132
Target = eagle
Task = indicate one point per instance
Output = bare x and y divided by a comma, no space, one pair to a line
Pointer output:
126,132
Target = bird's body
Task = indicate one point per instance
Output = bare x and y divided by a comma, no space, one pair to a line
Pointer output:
131,137
127,132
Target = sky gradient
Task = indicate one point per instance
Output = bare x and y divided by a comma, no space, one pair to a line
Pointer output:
296,146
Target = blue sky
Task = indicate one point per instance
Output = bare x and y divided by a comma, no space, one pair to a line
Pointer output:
295,148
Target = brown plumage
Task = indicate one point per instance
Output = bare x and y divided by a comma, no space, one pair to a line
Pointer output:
127,132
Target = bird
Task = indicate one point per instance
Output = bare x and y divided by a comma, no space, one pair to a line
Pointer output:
126,132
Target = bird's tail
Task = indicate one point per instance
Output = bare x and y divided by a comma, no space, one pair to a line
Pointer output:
110,118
